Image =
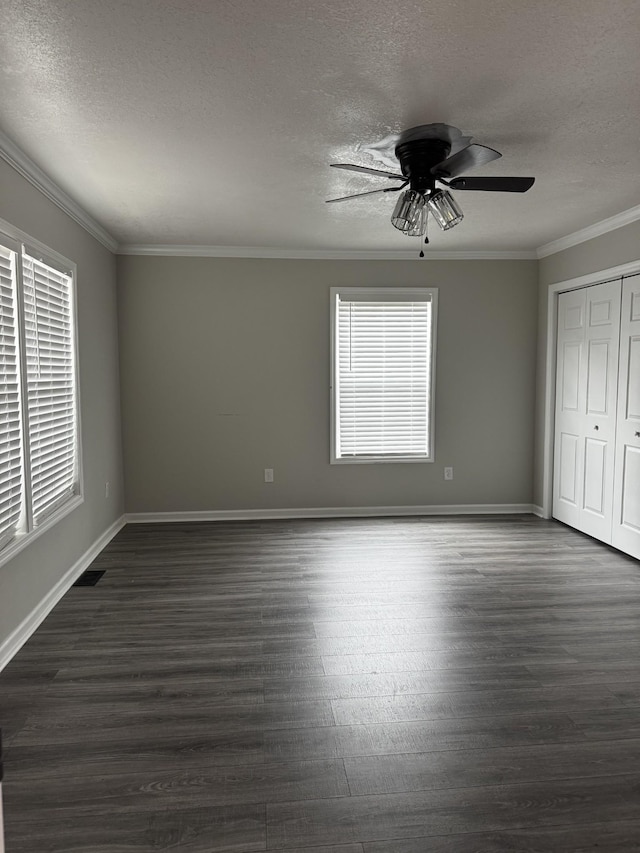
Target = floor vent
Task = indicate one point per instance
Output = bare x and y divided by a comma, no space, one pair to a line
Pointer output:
88,579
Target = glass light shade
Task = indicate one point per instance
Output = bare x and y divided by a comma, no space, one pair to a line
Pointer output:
418,227
445,210
406,210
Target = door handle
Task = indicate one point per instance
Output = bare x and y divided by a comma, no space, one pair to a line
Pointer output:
596,426
637,434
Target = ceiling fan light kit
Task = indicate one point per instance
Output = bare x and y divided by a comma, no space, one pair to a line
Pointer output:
426,165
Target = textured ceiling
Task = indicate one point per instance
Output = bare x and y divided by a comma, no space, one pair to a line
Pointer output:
213,122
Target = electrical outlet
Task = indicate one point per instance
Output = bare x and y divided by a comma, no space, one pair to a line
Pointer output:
448,473
268,475
106,489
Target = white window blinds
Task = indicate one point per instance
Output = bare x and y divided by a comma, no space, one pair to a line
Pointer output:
11,498
39,442
50,376
383,374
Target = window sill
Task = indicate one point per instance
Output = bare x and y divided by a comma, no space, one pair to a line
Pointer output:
381,460
23,540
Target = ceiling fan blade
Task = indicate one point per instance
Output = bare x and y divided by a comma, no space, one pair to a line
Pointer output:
470,157
494,185
370,192
350,167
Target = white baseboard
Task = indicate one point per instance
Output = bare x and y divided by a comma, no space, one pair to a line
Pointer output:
326,512
539,511
14,642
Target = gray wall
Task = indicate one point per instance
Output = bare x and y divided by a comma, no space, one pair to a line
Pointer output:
621,246
26,580
225,371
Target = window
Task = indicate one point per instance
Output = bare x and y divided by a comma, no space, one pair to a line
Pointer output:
39,444
383,366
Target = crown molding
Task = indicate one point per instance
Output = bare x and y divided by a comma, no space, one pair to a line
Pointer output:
23,164
626,217
181,251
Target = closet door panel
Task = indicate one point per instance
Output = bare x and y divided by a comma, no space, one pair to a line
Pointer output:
595,472
626,511
599,423
598,378
632,387
631,490
586,394
570,402
568,469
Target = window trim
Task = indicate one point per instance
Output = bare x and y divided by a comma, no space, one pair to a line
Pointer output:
375,293
19,241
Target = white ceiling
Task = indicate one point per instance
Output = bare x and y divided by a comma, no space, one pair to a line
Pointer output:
213,122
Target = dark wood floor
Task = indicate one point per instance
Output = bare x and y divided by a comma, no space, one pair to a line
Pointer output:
451,685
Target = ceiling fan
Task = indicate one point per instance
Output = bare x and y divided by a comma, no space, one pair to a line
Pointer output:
431,156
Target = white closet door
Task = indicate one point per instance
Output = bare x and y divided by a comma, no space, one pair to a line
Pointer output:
586,394
626,510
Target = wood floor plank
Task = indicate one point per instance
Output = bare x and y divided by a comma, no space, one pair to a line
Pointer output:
180,630
115,718
204,829
343,848
406,661
619,837
608,723
447,811
143,747
156,687
433,624
405,738
396,683
186,667
628,692
427,771
435,706
568,634
120,788
580,672
602,652
389,643
389,610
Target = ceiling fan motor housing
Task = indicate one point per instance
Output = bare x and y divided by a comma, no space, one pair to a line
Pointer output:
417,158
